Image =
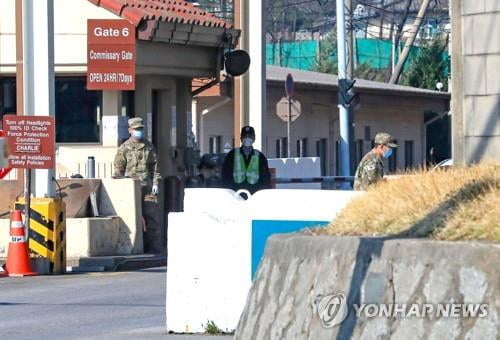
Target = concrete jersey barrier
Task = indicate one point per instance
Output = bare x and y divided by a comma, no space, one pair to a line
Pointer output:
300,276
215,245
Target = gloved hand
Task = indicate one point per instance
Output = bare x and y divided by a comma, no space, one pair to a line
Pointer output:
155,190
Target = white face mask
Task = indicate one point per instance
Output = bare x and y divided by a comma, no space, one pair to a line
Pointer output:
247,141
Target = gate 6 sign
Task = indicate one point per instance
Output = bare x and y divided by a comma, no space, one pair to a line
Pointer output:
111,55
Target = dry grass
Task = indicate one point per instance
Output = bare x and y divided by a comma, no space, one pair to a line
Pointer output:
455,204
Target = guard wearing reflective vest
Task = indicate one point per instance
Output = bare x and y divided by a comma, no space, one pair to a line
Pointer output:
246,167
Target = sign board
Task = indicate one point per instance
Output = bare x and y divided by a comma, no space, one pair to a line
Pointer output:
31,141
289,85
111,55
282,109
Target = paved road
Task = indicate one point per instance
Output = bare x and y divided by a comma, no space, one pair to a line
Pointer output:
123,305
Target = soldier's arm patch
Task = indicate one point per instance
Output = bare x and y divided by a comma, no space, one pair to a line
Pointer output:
370,167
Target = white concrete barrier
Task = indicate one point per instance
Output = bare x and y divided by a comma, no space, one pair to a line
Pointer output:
215,245
296,168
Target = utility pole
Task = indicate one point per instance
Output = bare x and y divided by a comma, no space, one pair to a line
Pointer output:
38,74
255,32
238,90
345,168
350,76
409,42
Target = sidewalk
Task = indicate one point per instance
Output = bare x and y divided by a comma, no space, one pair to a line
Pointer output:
115,263
111,263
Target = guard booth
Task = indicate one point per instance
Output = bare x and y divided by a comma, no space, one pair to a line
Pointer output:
174,42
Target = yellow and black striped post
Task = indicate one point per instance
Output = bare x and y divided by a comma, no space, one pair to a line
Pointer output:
47,234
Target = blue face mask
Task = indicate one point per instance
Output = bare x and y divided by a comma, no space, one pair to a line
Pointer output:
387,153
247,141
138,134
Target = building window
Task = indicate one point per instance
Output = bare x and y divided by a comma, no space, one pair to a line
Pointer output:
215,144
281,147
368,133
128,104
321,152
393,160
409,154
7,96
337,158
358,151
78,114
302,147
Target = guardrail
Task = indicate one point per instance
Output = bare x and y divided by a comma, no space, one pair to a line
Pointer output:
322,179
323,182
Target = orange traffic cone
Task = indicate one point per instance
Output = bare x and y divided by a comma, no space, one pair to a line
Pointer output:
18,259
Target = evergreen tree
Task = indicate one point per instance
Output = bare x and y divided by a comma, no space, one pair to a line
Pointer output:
327,61
327,58
429,67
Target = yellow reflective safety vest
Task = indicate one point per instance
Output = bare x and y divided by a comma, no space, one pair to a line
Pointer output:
241,172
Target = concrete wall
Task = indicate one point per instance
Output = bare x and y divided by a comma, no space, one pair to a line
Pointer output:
101,236
296,168
70,27
214,245
86,237
117,232
122,198
70,44
73,160
475,80
402,116
298,272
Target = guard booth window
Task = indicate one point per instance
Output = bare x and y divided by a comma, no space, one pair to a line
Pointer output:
78,113
7,96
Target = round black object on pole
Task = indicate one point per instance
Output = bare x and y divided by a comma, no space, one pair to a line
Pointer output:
289,85
237,62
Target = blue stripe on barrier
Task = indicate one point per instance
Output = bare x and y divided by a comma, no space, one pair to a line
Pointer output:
262,229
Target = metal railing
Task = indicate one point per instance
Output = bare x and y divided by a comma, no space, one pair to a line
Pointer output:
327,182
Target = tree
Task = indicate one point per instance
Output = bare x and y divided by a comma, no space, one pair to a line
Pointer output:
327,58
429,67
327,61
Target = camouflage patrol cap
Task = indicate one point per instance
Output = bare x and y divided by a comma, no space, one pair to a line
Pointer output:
385,139
135,123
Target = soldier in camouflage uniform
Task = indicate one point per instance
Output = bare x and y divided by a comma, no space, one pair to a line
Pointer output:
371,168
136,158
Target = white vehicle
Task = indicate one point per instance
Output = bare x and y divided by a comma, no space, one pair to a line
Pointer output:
445,164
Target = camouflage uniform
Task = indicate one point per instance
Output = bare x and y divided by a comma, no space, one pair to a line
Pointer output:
138,160
370,170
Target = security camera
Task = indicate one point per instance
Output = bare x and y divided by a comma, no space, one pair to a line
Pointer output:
439,86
